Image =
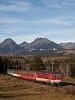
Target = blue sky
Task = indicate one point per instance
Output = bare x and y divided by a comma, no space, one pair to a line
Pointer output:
26,20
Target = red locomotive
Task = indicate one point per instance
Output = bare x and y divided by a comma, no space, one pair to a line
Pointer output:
53,78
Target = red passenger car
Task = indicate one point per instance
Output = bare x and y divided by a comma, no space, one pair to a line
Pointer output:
28,75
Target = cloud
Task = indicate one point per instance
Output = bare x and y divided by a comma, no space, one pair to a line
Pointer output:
15,6
59,3
56,35
9,21
59,35
66,21
16,25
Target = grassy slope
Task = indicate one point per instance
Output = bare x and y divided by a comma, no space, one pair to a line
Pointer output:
18,89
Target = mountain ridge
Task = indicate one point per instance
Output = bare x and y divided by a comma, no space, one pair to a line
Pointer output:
10,47
68,45
41,43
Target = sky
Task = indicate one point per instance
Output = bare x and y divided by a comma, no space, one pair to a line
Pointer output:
26,20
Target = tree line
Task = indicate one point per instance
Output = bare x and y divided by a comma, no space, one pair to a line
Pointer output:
35,63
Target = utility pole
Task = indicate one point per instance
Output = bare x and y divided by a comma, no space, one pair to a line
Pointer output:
4,68
52,66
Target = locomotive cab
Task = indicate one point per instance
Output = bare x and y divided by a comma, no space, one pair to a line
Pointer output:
56,78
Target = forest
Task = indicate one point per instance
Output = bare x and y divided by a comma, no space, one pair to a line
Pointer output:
35,63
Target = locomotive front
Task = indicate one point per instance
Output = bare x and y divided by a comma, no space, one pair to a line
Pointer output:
56,78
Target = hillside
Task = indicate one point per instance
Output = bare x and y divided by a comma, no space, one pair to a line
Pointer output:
12,88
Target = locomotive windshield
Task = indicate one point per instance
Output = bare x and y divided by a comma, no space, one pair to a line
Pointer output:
56,75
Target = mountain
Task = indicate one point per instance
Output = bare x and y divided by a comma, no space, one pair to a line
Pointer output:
68,45
24,45
8,45
44,43
41,43
40,46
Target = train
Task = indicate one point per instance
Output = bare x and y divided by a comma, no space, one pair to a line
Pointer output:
44,77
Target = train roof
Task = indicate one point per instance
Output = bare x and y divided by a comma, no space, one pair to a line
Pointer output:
44,71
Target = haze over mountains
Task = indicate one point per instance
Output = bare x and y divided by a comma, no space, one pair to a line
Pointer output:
9,47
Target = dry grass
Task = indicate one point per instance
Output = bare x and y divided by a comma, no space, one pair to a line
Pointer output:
18,89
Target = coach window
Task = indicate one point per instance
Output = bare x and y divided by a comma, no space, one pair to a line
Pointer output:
39,74
31,74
